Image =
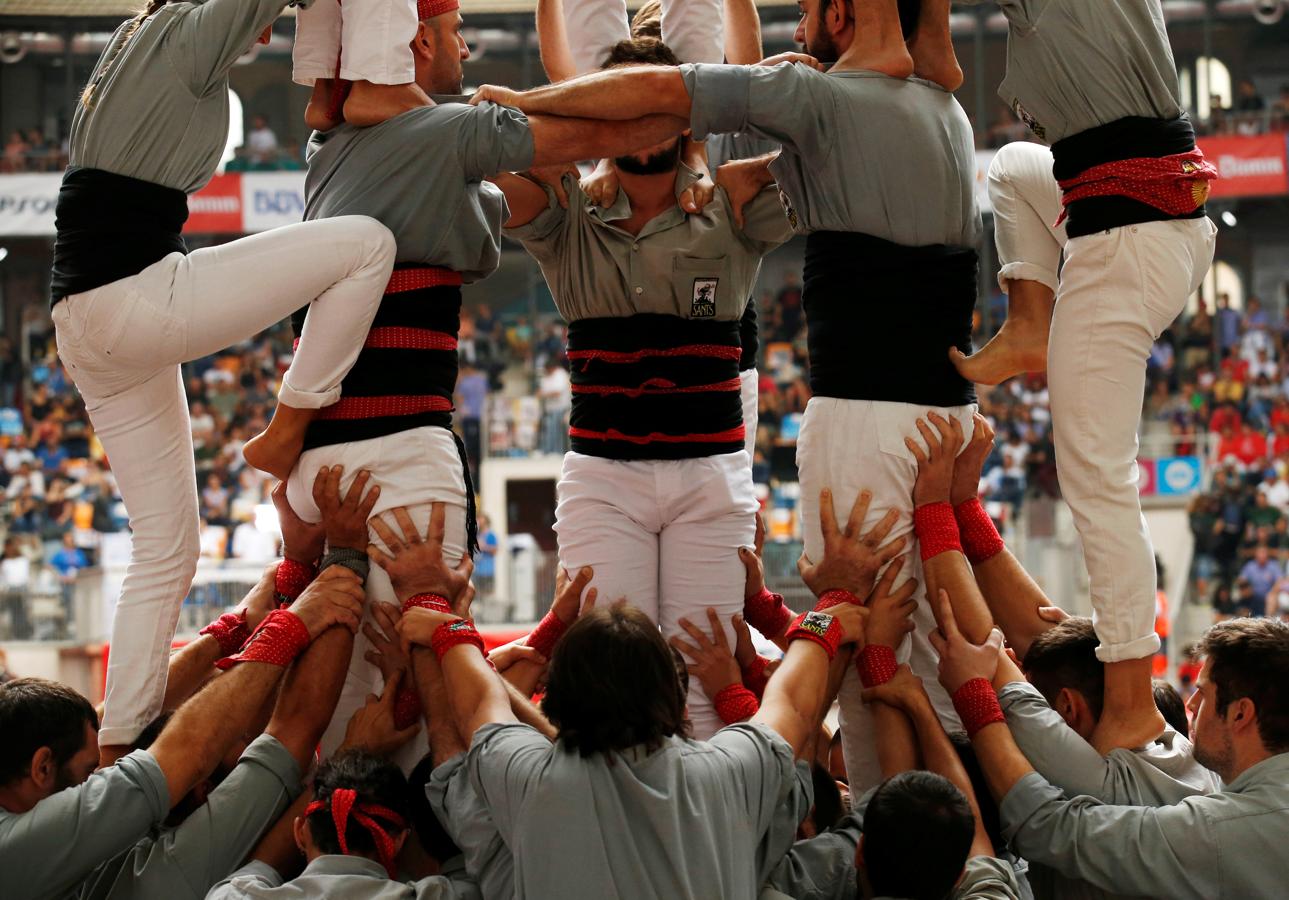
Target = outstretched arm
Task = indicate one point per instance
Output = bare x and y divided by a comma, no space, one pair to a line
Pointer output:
560,139
627,93
742,33
552,40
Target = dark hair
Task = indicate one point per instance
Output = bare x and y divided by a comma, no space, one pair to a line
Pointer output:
35,713
918,830
910,15
640,51
374,780
1065,656
647,22
429,830
613,685
1172,706
827,810
153,730
1250,658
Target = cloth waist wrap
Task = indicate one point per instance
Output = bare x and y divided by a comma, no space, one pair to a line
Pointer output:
110,227
881,318
1129,171
406,371
653,386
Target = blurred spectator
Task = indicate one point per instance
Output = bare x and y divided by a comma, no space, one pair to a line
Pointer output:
15,576
261,142
1247,98
1262,573
68,563
556,392
485,562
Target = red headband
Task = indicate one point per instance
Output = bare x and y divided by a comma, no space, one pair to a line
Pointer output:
343,804
428,9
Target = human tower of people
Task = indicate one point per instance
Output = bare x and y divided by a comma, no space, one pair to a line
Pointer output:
342,733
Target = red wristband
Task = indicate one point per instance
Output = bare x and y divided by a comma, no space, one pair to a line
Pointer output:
833,597
407,707
977,705
980,539
230,631
766,613
291,578
876,664
280,638
755,677
449,634
936,529
820,627
546,635
433,602
735,703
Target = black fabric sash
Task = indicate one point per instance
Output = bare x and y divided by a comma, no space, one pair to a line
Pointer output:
653,386
881,318
111,226
1133,137
749,337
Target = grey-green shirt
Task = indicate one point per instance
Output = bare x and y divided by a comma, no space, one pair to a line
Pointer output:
186,861
691,821
861,152
597,270
160,111
49,850
421,175
1224,846
467,820
1076,64
344,877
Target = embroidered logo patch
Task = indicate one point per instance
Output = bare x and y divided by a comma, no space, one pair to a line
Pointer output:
1030,122
703,305
817,623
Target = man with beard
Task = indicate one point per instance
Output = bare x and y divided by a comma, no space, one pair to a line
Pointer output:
656,495
422,174
877,168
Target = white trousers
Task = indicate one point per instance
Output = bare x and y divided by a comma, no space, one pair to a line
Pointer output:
414,469
849,446
123,344
664,534
749,388
1118,290
693,29
370,39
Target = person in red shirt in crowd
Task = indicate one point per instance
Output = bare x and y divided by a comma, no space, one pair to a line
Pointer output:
1279,412
1246,445
1280,438
1225,416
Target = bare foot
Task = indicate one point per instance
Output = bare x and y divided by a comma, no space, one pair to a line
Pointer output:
272,452
371,104
894,61
944,72
1018,347
1131,733
320,113
932,47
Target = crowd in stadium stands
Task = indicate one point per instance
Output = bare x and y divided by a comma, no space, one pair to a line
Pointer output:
28,150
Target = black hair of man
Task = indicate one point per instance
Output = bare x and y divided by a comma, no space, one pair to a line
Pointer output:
426,825
1065,656
373,780
1171,706
918,830
1250,658
35,713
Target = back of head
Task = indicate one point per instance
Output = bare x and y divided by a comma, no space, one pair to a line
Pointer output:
640,51
429,830
1250,658
376,784
1171,706
647,22
917,832
35,713
613,685
1065,657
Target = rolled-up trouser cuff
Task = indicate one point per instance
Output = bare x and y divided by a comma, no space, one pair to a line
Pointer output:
1139,648
119,736
1026,271
289,396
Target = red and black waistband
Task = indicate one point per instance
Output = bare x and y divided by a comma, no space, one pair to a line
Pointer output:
1130,171
653,386
406,372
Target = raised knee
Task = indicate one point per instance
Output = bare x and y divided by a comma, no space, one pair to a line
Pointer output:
1016,160
373,236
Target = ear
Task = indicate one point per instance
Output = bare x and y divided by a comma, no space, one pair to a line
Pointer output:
43,771
423,41
1242,715
301,839
1067,704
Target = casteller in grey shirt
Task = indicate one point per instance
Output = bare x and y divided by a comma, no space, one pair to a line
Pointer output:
1075,64
861,151
342,878
691,821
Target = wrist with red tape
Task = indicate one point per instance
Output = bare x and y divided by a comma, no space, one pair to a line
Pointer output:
876,664
767,613
735,703
980,538
291,578
433,602
755,677
450,634
407,707
546,635
977,705
936,529
835,596
819,627
281,637
230,631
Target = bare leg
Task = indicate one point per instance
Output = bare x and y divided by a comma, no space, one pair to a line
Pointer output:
276,448
371,104
1020,345
932,47
1130,718
320,113
878,44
